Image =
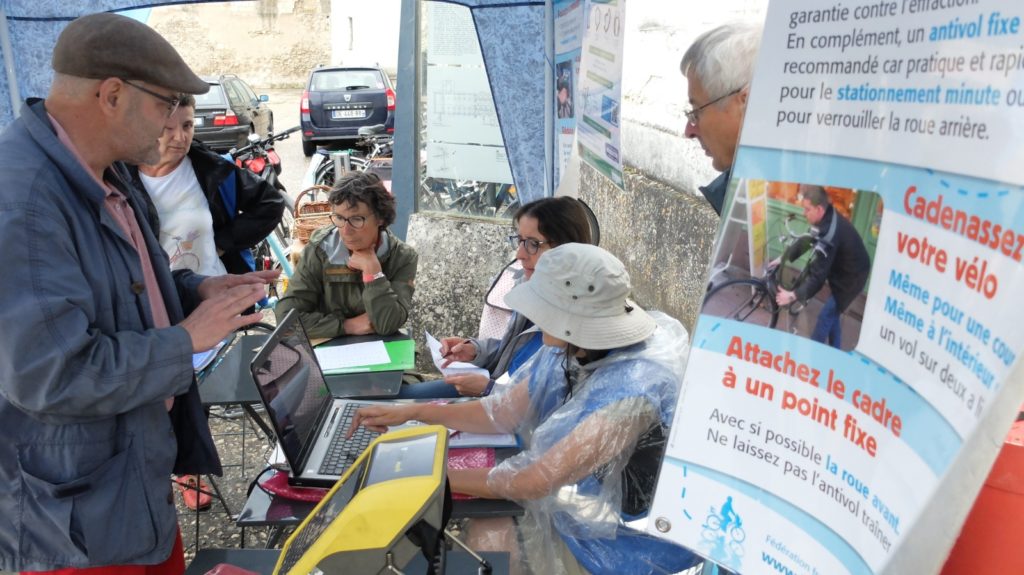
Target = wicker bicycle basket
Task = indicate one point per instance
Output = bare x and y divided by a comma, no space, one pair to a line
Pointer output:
312,212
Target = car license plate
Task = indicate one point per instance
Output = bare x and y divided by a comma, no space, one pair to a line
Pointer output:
344,114
199,121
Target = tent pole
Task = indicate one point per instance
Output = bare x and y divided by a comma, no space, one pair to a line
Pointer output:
12,78
552,153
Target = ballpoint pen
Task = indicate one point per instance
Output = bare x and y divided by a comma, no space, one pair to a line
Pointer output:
452,348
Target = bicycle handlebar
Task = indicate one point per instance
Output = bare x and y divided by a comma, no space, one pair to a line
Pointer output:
264,142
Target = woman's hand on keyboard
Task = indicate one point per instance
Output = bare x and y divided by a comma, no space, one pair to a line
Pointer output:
379,417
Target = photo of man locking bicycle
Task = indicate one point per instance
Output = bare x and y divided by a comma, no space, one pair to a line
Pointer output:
767,276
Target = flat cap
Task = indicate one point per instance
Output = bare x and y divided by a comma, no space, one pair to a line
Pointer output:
106,45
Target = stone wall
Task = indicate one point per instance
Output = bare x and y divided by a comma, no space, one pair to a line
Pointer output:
663,235
268,43
458,257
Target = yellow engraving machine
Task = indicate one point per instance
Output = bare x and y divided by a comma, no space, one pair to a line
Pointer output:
386,508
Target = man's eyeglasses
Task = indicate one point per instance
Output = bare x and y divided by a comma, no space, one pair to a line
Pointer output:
171,101
357,222
693,114
530,245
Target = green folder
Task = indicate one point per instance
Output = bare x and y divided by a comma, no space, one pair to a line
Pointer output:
402,354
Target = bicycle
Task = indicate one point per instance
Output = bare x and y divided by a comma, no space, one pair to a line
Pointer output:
373,139
274,253
713,529
729,540
183,258
752,300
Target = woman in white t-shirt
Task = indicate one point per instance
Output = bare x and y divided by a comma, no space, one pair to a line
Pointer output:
208,212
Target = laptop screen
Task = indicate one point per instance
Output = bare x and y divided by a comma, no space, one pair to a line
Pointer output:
292,387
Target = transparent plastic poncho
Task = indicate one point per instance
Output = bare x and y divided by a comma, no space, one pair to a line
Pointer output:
590,457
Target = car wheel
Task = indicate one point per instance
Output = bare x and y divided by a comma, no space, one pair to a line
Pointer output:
308,148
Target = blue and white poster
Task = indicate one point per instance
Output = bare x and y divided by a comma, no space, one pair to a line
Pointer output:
812,433
569,20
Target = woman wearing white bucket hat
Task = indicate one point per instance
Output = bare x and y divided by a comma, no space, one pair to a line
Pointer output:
592,409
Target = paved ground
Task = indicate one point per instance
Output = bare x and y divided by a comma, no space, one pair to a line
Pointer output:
216,526
285,104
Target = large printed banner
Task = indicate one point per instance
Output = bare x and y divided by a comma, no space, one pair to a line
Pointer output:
789,455
600,88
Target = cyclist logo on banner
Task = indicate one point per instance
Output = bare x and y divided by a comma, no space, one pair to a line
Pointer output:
723,534
776,268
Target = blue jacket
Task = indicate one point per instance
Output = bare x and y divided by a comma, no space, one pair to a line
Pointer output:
83,374
715,191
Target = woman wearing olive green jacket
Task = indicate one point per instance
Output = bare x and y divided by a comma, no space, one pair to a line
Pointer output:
355,277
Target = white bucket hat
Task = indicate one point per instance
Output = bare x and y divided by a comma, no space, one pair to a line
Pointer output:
578,293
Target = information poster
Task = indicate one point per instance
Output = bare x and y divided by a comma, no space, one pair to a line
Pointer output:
463,139
568,39
600,88
790,455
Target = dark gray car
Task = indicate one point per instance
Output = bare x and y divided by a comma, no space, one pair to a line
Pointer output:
229,112
339,100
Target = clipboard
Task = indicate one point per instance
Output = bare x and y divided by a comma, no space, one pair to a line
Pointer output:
401,353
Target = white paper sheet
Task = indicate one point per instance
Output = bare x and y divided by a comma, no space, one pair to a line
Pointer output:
352,355
454,368
204,358
465,439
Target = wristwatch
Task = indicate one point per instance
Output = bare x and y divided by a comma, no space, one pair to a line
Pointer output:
368,278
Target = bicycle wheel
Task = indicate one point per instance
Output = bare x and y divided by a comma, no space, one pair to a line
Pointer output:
185,260
746,300
324,175
713,522
284,227
432,194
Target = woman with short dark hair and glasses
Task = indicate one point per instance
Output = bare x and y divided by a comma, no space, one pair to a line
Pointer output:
355,277
539,226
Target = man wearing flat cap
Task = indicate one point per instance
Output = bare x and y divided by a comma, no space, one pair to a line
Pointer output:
97,393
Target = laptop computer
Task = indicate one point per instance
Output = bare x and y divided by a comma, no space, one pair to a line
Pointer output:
309,422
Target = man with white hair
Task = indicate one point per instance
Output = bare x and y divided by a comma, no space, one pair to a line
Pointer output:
97,392
718,67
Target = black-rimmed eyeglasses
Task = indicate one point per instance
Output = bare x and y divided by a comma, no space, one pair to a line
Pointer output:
693,114
357,222
171,101
530,245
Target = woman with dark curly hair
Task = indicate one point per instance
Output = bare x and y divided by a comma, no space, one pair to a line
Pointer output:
355,277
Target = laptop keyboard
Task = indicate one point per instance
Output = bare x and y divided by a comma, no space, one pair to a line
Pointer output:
343,452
